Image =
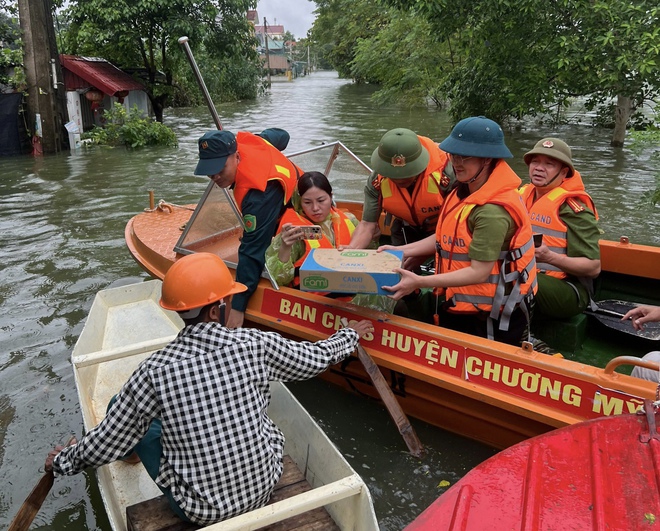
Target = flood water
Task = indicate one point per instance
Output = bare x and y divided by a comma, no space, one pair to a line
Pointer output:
62,222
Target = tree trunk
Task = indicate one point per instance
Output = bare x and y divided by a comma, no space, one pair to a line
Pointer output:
621,116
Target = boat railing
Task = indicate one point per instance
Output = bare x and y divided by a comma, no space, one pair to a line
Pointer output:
630,360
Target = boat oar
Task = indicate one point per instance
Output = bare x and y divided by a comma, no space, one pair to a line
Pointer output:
610,313
391,403
34,501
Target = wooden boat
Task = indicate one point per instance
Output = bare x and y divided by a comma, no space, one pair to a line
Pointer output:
598,474
492,392
125,325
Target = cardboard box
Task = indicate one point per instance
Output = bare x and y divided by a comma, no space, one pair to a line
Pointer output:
350,270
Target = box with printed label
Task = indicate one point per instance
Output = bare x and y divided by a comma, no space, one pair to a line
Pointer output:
350,270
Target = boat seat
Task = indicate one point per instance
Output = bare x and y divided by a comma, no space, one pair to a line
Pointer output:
156,515
562,334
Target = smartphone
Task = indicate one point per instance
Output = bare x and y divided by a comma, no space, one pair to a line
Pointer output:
310,232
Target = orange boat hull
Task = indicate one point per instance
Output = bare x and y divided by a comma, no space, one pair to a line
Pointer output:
491,392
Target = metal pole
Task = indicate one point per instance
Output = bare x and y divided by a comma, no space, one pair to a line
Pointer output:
183,41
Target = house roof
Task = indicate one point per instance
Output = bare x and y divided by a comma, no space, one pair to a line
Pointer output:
83,72
272,29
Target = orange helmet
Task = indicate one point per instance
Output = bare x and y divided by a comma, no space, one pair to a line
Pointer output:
195,281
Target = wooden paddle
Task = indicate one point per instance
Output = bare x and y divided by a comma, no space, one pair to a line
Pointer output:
32,504
34,501
610,313
391,403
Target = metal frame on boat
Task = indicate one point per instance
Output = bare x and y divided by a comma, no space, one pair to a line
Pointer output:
125,325
492,392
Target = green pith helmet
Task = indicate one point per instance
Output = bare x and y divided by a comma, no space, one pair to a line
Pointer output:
399,155
477,136
554,148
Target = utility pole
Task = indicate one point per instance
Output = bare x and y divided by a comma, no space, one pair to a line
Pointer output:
46,112
267,54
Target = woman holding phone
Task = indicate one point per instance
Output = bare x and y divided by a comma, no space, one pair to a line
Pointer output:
313,206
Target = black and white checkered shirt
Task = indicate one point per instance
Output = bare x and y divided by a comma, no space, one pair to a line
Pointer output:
222,454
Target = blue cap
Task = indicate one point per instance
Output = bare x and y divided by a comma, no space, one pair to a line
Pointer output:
279,138
476,136
215,147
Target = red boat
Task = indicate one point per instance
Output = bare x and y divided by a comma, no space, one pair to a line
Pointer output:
599,474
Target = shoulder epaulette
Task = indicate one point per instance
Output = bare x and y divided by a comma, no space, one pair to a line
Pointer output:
575,205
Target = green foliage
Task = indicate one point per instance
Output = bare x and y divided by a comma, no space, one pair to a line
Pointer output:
404,59
144,34
130,129
503,58
12,73
339,27
649,139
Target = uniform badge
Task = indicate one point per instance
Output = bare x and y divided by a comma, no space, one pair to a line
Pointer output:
398,161
250,222
444,181
548,144
205,145
376,182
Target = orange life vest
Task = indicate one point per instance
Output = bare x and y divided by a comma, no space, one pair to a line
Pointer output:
260,162
544,215
515,270
426,199
342,226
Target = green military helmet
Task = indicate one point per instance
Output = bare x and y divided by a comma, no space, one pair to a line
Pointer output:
399,155
554,148
477,136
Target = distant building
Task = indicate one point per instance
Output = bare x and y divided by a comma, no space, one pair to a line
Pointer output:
94,85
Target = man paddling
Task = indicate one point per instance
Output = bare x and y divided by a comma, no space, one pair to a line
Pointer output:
195,412
263,180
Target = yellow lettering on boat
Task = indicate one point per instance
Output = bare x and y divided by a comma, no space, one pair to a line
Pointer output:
328,320
492,371
607,405
285,306
549,388
470,366
403,343
432,351
572,395
388,338
448,358
304,312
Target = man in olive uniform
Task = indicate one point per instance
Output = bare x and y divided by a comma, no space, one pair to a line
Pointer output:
409,183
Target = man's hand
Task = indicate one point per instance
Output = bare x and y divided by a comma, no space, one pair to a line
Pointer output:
53,453
363,327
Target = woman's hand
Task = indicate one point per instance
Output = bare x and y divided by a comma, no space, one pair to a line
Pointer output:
409,282
290,234
641,315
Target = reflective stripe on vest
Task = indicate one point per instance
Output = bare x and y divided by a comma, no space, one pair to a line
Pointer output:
515,269
544,215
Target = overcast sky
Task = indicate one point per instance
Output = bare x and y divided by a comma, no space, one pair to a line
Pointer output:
295,15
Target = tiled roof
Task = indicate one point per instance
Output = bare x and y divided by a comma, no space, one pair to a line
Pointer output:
81,72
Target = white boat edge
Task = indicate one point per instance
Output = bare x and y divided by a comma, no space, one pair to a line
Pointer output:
124,326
